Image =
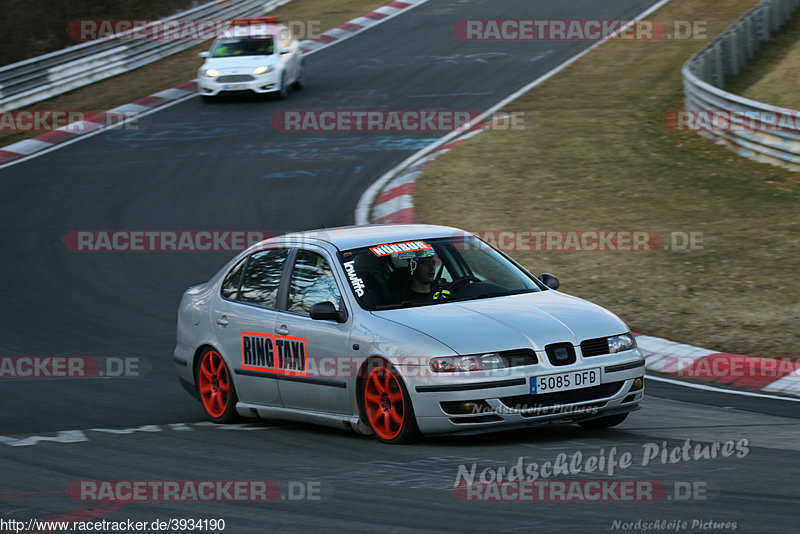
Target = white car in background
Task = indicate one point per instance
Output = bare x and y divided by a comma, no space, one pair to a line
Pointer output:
256,55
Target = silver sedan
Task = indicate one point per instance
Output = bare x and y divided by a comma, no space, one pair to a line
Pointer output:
399,331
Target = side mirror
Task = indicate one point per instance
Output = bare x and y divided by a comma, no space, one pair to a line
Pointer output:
285,50
326,311
549,280
203,54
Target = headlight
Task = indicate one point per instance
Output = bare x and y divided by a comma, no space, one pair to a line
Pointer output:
474,362
262,70
621,343
212,73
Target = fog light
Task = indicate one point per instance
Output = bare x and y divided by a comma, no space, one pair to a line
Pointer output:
638,383
470,407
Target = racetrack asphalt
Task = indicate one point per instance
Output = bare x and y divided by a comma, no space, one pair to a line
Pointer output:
221,166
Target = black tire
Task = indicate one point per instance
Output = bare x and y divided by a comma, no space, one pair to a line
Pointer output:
381,415
207,99
603,422
215,387
283,91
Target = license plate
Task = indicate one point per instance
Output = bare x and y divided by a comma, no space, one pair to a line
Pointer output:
565,381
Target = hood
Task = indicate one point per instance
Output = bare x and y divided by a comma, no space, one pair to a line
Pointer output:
239,64
530,320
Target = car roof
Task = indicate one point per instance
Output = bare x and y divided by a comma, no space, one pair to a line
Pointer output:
351,237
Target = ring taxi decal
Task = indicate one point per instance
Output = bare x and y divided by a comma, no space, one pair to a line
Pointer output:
284,355
396,248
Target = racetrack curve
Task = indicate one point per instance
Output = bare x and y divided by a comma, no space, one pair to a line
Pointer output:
223,167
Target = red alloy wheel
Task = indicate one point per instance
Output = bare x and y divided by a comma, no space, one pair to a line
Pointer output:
214,384
384,403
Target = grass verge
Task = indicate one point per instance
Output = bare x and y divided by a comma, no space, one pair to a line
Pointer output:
772,76
182,67
595,154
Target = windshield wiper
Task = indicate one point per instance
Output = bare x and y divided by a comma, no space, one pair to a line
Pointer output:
404,304
489,295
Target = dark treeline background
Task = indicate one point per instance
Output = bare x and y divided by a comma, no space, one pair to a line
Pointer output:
30,28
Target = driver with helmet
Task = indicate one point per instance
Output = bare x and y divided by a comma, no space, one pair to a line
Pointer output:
421,287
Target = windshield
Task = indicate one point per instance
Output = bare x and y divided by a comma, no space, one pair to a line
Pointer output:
243,47
431,271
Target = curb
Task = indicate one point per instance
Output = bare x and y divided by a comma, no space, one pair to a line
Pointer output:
95,123
766,375
394,203
356,25
126,112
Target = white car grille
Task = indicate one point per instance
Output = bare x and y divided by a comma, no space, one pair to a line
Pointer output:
234,78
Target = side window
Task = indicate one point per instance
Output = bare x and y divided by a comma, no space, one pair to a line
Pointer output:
312,282
262,277
230,285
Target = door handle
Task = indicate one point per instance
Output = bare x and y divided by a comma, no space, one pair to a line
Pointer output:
223,320
282,330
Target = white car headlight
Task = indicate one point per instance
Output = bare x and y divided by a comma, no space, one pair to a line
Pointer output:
474,362
621,343
212,73
262,70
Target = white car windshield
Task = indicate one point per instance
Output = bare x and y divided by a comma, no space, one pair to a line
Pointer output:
243,47
431,271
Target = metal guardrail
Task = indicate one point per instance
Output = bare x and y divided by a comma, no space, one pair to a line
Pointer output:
755,130
49,75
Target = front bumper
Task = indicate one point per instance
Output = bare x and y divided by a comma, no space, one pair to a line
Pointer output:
504,400
238,82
